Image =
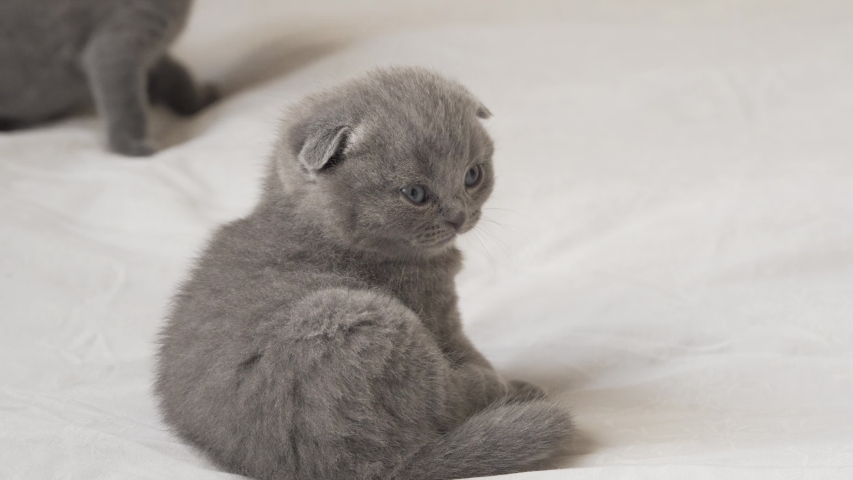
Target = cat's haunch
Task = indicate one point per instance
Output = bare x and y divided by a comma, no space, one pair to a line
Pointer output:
319,337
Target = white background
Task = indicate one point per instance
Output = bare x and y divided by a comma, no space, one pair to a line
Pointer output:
670,249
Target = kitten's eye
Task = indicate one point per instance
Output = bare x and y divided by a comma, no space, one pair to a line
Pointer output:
472,176
416,194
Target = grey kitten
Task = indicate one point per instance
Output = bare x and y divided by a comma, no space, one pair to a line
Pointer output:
319,338
57,56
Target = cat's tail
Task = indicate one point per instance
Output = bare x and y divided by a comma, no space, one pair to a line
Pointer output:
502,439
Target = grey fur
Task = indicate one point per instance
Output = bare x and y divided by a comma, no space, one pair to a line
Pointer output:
319,338
60,56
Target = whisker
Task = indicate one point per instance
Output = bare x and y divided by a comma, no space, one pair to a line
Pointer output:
510,228
491,259
502,209
497,241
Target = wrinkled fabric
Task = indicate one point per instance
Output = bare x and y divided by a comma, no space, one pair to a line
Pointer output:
669,248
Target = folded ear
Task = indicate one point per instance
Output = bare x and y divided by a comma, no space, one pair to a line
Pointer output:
483,112
323,148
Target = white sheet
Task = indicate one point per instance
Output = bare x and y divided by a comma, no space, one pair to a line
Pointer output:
672,254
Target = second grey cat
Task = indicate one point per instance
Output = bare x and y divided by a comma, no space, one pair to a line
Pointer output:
319,337
59,56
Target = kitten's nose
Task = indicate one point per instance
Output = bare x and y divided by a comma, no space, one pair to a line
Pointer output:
456,220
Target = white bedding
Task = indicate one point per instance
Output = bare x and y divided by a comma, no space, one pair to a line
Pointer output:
671,253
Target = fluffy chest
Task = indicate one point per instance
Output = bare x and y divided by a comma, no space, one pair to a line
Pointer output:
427,288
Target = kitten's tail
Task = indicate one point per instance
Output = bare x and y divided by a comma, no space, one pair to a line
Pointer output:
502,439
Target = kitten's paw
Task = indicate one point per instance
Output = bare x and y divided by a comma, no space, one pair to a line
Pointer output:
521,391
132,148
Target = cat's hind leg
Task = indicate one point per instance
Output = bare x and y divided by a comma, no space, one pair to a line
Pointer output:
346,384
171,83
366,392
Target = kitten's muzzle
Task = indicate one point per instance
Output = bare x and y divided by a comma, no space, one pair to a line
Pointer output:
457,220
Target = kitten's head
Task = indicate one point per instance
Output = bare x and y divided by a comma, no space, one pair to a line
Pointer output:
396,162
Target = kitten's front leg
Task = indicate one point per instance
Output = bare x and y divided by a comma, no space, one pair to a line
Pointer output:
115,66
464,355
474,387
521,391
